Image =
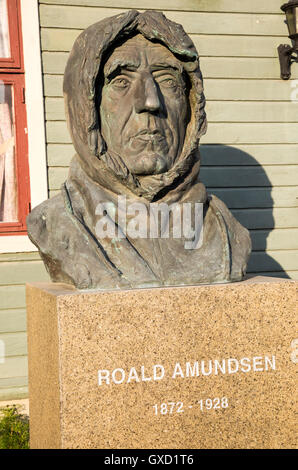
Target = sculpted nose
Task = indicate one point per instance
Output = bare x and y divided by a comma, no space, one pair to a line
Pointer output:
147,98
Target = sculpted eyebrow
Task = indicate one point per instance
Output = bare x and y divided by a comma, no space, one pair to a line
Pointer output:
162,66
117,65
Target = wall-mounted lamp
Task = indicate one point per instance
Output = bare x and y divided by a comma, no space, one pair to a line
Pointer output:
288,54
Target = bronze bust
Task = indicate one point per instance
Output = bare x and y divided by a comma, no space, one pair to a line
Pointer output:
135,110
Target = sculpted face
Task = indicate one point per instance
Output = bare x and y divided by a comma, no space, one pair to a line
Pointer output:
144,106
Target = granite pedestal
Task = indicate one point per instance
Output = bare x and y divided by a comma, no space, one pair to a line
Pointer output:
179,367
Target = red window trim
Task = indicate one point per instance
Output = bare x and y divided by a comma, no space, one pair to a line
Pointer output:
21,154
15,35
12,72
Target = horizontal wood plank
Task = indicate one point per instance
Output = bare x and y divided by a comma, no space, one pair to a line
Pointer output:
217,111
212,67
58,39
247,198
12,297
242,67
273,261
80,17
57,132
217,89
14,393
26,256
12,320
217,133
277,239
54,62
251,6
220,177
20,273
250,176
15,319
241,155
246,133
251,90
53,85
54,109
12,388
60,154
15,344
267,218
281,274
14,367
21,381
245,155
233,111
62,40
240,198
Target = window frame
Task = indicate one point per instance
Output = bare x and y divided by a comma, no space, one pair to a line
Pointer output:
15,61
20,243
12,73
17,81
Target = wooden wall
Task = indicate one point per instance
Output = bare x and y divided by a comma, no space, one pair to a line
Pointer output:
250,149
249,153
15,270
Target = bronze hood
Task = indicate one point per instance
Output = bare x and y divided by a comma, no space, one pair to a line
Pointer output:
81,91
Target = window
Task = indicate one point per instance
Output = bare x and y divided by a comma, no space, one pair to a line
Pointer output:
4,32
14,170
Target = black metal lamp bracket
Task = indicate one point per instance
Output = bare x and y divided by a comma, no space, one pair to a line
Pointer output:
285,55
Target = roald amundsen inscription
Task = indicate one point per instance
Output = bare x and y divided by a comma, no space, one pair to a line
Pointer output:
135,110
190,369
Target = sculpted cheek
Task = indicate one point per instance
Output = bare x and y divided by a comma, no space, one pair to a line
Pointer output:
109,106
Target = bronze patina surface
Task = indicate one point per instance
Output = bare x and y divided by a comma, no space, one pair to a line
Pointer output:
135,111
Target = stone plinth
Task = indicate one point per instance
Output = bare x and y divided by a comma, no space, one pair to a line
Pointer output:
184,367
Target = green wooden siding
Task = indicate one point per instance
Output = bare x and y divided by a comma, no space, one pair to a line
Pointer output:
61,40
212,67
233,6
232,111
194,22
249,154
232,89
15,270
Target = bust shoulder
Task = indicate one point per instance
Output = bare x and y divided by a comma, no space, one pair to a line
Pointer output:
239,239
40,220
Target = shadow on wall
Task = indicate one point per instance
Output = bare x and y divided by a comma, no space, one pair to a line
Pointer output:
242,183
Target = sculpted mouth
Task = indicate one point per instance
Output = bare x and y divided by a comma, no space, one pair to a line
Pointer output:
148,135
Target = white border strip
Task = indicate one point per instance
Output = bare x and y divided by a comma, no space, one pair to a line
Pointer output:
35,121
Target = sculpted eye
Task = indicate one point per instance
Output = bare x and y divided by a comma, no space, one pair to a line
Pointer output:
120,82
168,82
